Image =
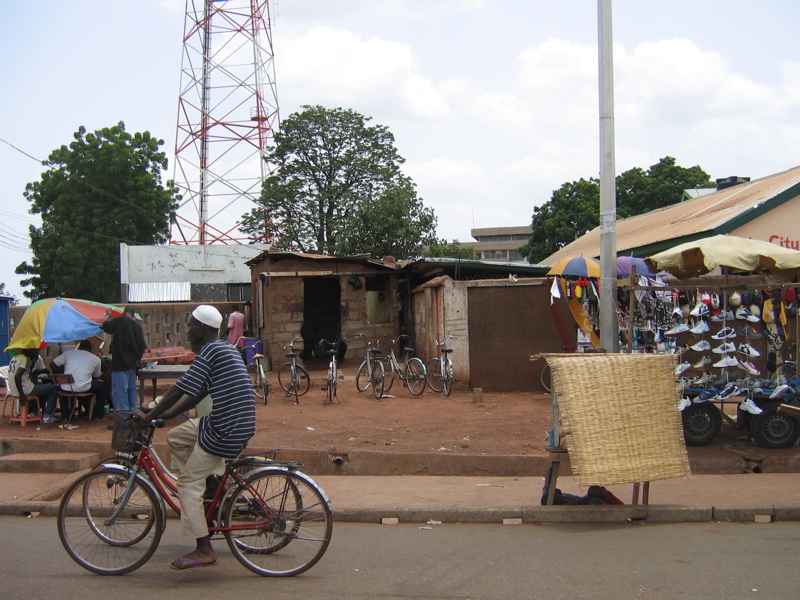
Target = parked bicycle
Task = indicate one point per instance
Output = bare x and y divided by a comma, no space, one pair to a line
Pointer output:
293,377
276,520
440,370
258,374
411,372
371,372
333,377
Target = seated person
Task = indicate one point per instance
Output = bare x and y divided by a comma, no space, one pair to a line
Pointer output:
25,367
85,370
596,494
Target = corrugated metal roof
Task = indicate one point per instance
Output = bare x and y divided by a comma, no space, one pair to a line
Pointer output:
717,213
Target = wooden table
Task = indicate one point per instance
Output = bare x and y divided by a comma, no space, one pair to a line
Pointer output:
159,372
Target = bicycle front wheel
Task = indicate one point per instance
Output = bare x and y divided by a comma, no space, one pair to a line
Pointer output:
415,376
362,377
303,380
388,375
260,383
281,524
330,385
433,375
100,546
447,378
378,379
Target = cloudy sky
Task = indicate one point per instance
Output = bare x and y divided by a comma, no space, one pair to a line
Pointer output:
493,103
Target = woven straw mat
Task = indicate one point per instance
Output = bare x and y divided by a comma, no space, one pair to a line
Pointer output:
621,411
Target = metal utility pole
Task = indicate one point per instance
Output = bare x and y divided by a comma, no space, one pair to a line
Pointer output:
609,325
227,111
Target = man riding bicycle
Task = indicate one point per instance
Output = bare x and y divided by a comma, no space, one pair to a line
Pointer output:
201,446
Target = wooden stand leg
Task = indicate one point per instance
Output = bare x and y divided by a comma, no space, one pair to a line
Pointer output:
555,466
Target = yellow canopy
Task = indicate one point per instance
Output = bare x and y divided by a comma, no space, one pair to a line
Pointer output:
729,251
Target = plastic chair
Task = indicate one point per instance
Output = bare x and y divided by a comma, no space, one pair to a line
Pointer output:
22,416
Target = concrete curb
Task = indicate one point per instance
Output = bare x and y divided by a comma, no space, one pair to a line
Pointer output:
527,515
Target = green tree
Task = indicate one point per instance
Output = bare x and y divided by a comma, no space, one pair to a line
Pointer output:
102,189
574,208
572,211
337,187
454,249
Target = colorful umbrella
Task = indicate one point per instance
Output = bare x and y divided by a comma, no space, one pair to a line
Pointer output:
55,320
580,266
625,266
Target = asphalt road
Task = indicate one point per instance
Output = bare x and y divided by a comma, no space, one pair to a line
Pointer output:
704,561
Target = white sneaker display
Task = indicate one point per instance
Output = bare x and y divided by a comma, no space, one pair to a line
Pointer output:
702,346
681,368
750,406
699,327
726,361
700,310
745,315
748,350
749,368
724,334
723,315
729,391
684,403
679,328
779,390
725,348
702,363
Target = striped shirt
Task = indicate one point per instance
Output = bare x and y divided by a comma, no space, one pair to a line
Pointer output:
219,369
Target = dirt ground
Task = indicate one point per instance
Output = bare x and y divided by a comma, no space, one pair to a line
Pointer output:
500,424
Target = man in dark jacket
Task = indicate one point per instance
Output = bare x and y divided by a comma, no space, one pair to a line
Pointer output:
126,356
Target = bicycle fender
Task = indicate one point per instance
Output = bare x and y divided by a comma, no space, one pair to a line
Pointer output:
299,474
145,481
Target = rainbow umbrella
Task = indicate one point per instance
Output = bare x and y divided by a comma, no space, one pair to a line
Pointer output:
55,320
579,266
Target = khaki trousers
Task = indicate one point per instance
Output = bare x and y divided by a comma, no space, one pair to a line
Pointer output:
192,465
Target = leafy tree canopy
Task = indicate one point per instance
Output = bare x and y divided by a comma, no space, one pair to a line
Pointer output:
574,208
337,187
102,189
454,249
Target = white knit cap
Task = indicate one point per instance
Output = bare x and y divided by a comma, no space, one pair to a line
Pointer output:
208,315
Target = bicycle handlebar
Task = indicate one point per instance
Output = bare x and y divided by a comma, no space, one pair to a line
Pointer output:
291,344
447,337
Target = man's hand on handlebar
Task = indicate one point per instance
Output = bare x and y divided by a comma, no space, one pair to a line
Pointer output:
141,416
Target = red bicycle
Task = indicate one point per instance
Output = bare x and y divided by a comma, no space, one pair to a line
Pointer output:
276,521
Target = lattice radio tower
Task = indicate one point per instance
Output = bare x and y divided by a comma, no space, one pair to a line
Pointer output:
227,111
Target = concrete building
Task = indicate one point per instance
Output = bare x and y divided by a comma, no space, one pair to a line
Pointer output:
499,243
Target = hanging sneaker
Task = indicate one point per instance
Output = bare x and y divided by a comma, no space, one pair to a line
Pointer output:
699,327
724,334
701,346
774,340
704,379
725,348
726,361
749,368
679,328
683,367
707,395
679,350
750,406
684,403
745,315
702,362
723,315
729,391
751,332
700,310
779,391
748,350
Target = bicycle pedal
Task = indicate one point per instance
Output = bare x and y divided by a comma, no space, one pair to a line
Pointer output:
341,377
324,389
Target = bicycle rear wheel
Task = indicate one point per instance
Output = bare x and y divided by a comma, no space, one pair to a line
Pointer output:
282,523
260,383
433,375
415,376
447,378
378,379
330,385
388,375
109,548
